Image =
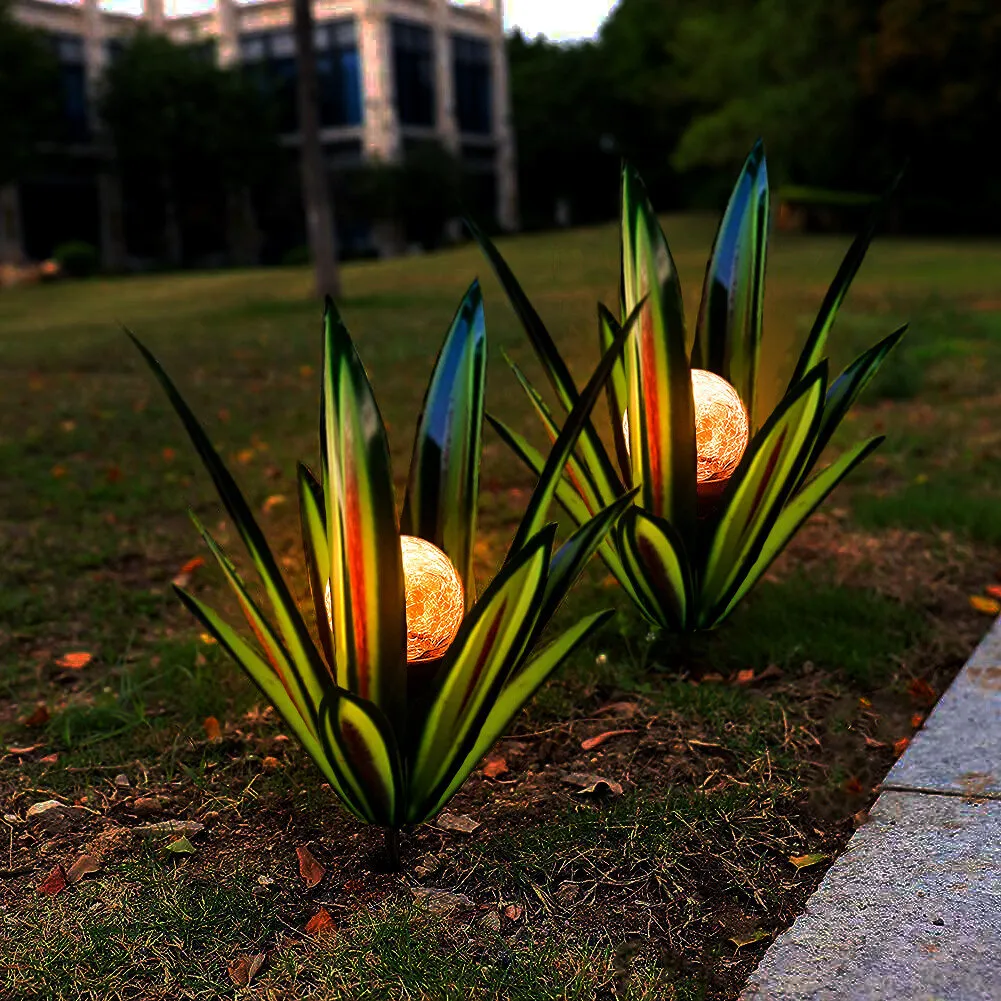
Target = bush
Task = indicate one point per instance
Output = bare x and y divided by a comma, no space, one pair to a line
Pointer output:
76,259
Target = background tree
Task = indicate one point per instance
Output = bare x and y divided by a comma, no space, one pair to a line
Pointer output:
316,197
29,94
191,140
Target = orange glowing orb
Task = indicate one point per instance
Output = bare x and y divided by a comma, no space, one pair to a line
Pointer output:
721,427
435,599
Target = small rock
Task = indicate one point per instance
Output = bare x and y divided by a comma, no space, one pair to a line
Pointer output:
452,822
147,806
491,921
122,781
55,817
441,901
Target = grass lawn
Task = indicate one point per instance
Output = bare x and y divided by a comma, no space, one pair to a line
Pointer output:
736,753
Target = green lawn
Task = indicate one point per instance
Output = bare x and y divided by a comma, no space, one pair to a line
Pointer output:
725,776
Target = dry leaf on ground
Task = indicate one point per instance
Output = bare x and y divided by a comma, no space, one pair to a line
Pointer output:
244,968
588,783
39,717
593,742
54,883
989,606
448,821
804,861
321,923
84,865
310,870
212,728
75,661
493,767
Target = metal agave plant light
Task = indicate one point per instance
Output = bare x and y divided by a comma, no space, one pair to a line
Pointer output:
413,677
720,498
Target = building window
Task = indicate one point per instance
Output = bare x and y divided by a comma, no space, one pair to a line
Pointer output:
73,85
413,73
269,59
471,71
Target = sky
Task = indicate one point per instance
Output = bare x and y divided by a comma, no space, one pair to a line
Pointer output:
559,20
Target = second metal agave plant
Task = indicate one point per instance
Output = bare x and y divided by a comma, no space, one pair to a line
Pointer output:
683,571
395,753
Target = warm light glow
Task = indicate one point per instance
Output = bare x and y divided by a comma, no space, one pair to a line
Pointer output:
721,427
435,599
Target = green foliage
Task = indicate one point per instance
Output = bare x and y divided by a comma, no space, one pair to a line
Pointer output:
28,89
393,745
76,258
682,571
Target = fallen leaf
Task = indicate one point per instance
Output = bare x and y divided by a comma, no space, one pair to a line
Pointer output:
922,692
994,590
772,671
712,678
860,818
49,759
804,861
24,750
310,870
81,867
491,921
244,456
513,912
75,661
183,577
39,717
305,371
212,728
749,938
321,923
624,709
271,764
68,426
588,783
168,454
494,767
745,677
900,746
182,846
451,822
989,606
244,968
273,501
872,742
853,786
58,471
54,883
601,738
207,639
916,720
864,703
441,901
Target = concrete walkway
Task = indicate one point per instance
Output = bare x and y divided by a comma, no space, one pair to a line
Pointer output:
911,911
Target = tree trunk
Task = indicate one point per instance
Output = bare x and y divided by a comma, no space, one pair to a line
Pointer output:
315,187
173,241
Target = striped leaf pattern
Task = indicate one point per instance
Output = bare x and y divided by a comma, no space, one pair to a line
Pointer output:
661,408
728,330
363,537
440,503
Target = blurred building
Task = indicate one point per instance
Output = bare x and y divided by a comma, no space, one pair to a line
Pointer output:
393,74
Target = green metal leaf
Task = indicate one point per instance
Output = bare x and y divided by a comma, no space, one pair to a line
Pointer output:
366,566
728,330
578,472
270,686
816,341
616,391
661,407
658,567
577,421
295,635
593,452
443,488
845,391
759,488
314,543
796,511
357,732
571,558
508,704
305,680
489,643
568,497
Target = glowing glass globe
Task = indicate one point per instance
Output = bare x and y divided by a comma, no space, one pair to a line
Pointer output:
435,599
721,427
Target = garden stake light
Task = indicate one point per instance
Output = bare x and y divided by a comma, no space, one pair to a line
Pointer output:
395,740
688,550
